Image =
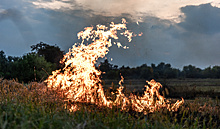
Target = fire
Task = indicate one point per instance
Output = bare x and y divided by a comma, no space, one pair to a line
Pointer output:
80,82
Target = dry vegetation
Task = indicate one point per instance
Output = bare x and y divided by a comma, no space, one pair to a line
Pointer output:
33,105
177,88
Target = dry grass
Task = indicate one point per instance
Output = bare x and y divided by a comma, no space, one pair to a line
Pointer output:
187,88
33,105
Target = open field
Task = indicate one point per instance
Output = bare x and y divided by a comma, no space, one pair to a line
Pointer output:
35,106
187,88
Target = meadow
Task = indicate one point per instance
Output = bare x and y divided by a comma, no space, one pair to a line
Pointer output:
33,105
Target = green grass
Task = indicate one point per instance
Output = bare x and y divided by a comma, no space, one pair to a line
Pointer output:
34,106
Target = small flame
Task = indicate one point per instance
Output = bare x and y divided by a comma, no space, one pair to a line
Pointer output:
79,80
140,34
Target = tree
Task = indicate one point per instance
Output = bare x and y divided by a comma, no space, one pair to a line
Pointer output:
144,72
105,66
31,67
3,63
52,54
191,71
216,71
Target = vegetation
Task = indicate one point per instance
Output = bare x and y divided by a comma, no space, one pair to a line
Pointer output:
174,88
160,71
34,106
34,66
52,54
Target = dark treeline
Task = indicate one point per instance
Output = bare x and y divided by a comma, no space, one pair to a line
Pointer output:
160,71
33,66
43,59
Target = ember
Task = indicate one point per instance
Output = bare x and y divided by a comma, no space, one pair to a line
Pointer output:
80,81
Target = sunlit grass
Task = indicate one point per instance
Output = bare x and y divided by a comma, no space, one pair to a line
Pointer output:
34,106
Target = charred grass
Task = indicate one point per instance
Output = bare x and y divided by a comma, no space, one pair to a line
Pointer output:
34,106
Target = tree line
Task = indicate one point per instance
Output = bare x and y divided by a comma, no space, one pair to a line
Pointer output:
43,59
160,71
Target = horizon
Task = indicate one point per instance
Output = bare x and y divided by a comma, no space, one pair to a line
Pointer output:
119,66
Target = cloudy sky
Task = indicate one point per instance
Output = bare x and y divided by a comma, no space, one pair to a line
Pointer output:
179,32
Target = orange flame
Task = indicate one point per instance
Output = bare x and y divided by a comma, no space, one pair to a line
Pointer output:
80,81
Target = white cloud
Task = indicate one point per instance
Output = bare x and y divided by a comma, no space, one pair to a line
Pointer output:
169,10
216,4
53,5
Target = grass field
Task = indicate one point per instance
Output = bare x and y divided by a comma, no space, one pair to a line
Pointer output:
34,106
187,88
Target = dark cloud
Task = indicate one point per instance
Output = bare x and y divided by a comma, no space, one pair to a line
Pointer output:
198,36
203,19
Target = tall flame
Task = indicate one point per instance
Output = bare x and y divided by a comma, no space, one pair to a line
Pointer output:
80,81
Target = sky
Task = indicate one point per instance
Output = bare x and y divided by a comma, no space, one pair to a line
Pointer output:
178,32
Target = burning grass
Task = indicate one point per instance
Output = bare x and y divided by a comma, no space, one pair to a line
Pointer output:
28,106
79,81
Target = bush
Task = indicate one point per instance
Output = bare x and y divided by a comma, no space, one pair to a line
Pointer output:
31,67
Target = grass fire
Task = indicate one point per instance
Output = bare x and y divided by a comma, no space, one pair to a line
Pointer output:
74,96
80,80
